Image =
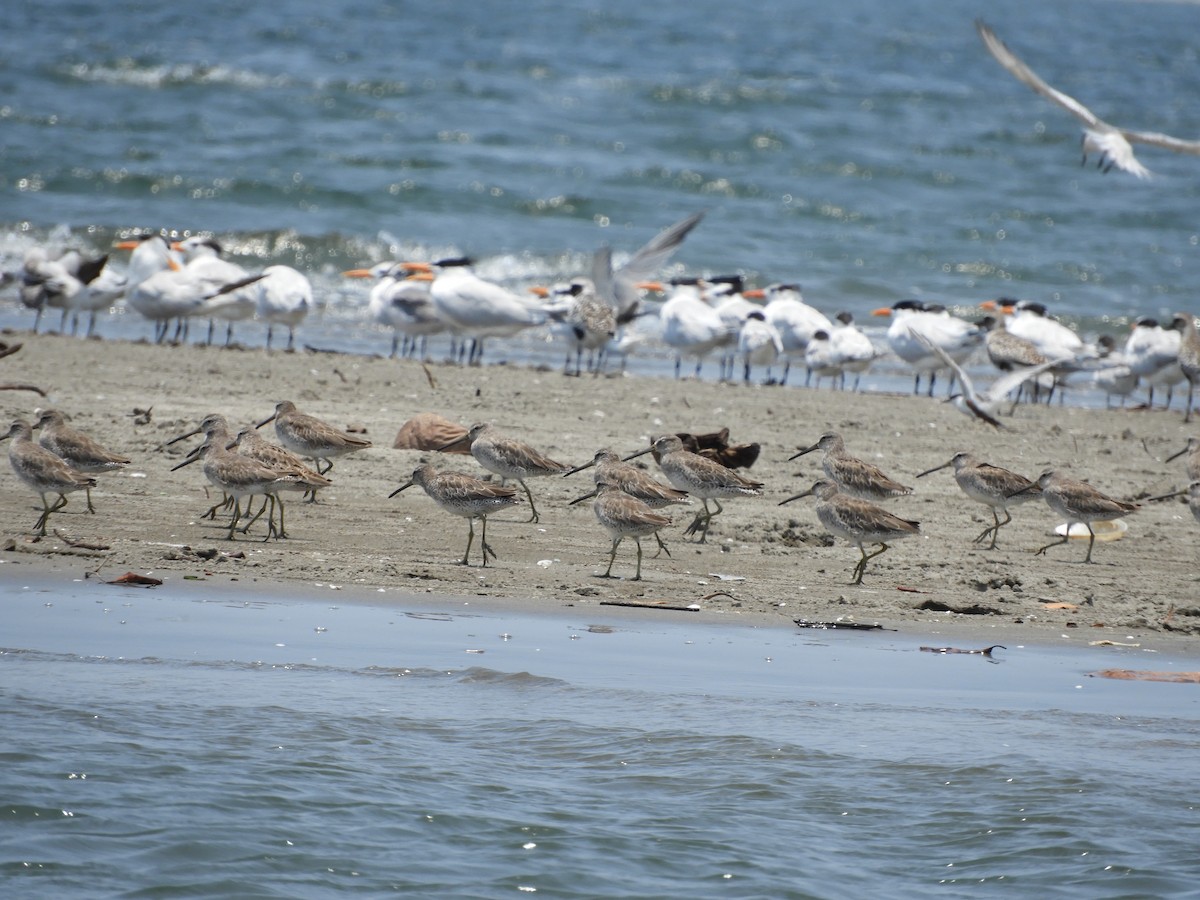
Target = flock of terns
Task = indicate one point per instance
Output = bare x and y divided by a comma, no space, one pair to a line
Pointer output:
627,499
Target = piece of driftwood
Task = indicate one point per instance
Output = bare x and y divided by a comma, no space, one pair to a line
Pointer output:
9,349
985,651
82,545
650,604
843,626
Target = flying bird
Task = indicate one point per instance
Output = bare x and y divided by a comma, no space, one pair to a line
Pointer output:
1113,144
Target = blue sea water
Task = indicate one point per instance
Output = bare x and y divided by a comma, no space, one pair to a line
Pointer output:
202,740
164,747
871,152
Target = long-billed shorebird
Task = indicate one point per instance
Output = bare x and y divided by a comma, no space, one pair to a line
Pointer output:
637,483
1192,491
1193,458
856,520
626,517
699,476
309,437
466,496
508,458
853,476
993,486
1189,354
1077,501
81,453
250,443
240,476
43,471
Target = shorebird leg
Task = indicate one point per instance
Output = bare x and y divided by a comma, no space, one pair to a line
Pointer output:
280,533
1066,537
487,548
638,576
88,493
1091,542
40,524
257,515
233,520
529,497
994,530
662,548
470,539
611,557
861,568
701,517
212,510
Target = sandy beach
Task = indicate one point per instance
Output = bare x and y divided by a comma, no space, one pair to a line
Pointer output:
762,563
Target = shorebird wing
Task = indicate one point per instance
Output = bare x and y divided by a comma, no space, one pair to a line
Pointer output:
1012,380
1029,78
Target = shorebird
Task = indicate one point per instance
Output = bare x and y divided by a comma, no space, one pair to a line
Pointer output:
466,496
240,476
309,437
637,483
983,404
587,321
251,444
1032,321
853,476
1077,501
699,476
858,521
625,516
216,427
1189,354
1193,494
1113,144
794,319
620,286
1152,353
917,325
401,301
42,471
758,343
474,307
508,458
990,485
285,297
80,452
1193,458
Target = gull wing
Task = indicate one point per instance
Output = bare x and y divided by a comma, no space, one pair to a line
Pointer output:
1029,78
1165,141
1010,381
646,263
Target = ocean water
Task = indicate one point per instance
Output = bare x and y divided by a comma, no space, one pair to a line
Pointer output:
871,153
203,740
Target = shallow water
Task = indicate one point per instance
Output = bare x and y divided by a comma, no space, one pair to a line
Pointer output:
195,741
872,155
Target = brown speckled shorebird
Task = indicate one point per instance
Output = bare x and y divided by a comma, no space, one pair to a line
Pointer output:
1189,354
857,521
1193,458
309,437
509,458
78,450
42,471
853,476
1078,501
214,426
699,476
1008,352
251,444
239,476
625,516
990,485
466,496
637,483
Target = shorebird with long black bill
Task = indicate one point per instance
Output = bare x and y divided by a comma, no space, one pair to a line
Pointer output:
1192,492
699,476
623,517
81,452
466,496
42,471
311,438
855,477
1192,465
857,521
993,486
1077,502
508,458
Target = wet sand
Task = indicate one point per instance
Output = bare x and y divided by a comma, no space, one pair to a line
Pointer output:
763,563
